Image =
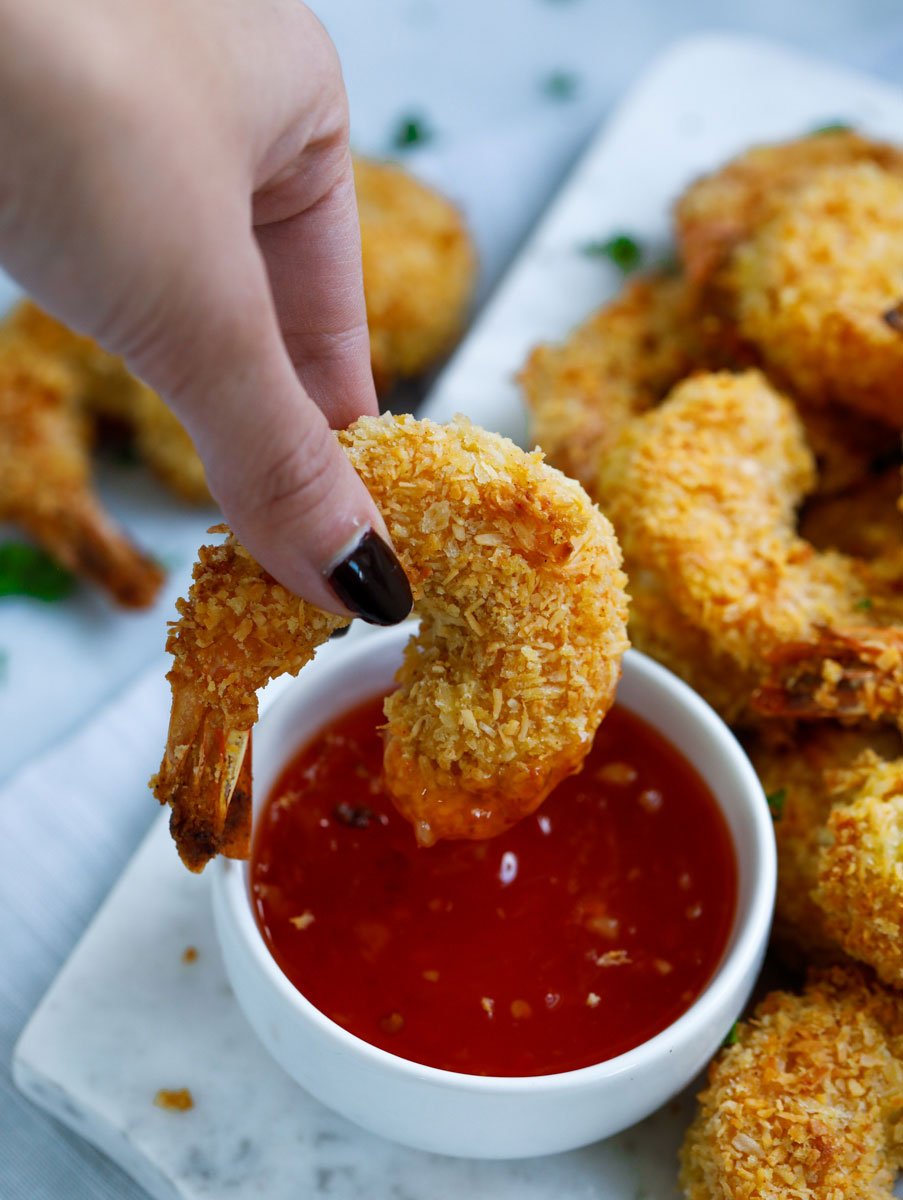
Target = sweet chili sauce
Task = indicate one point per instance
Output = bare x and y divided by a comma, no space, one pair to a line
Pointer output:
578,934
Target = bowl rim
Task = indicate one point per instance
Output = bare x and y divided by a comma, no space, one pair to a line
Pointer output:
748,935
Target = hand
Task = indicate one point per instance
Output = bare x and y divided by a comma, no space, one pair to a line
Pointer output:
177,184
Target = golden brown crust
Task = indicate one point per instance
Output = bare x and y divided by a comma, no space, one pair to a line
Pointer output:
860,878
806,773
617,364
523,611
811,286
419,270
806,1103
720,210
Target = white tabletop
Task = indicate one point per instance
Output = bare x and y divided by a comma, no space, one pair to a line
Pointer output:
477,73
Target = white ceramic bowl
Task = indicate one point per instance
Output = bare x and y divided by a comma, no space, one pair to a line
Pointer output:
477,1116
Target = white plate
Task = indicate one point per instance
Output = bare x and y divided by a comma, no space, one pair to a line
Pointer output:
126,1016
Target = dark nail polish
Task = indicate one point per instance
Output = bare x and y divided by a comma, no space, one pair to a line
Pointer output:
370,582
339,633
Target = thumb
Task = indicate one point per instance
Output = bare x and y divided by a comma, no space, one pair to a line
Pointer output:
272,461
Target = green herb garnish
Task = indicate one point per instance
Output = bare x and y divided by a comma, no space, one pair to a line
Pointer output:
831,127
28,571
776,801
561,85
411,131
622,250
865,604
733,1035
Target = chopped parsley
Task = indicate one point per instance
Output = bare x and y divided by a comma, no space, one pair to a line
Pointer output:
732,1036
776,801
865,604
831,127
622,250
411,131
561,85
29,571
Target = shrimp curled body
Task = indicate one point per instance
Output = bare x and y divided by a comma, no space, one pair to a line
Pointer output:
518,586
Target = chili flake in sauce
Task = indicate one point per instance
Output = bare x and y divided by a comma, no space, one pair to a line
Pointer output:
578,934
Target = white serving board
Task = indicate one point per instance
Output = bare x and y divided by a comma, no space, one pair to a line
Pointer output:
126,1016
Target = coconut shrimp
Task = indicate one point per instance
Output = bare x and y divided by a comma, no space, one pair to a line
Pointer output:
721,210
836,796
517,583
818,290
806,1101
419,270
619,363
45,483
703,492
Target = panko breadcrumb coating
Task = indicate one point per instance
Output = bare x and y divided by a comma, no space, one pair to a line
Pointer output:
517,582
703,492
811,287
820,778
721,210
806,1104
620,362
419,270
860,882
45,481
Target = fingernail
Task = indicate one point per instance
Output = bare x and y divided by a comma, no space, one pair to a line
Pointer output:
371,582
339,633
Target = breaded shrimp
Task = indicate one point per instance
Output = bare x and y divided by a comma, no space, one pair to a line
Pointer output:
517,582
45,483
703,492
104,387
812,286
419,270
860,880
805,1105
821,779
721,210
620,362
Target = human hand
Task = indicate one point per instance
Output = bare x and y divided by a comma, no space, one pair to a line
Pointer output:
177,184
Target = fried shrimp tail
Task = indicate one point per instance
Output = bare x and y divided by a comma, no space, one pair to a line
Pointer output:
45,485
850,675
517,583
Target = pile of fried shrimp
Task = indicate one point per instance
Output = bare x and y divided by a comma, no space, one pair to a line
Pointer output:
60,393
739,420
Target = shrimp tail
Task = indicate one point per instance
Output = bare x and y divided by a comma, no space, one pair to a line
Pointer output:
856,675
90,545
206,777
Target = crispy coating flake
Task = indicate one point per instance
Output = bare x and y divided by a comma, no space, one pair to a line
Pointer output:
811,287
719,211
619,363
806,1104
703,492
45,484
419,270
521,598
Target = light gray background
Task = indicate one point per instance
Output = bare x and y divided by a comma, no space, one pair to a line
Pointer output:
476,73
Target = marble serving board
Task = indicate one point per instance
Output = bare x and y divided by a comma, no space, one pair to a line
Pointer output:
128,1015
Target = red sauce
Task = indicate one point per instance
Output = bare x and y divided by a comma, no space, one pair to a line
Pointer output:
571,938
